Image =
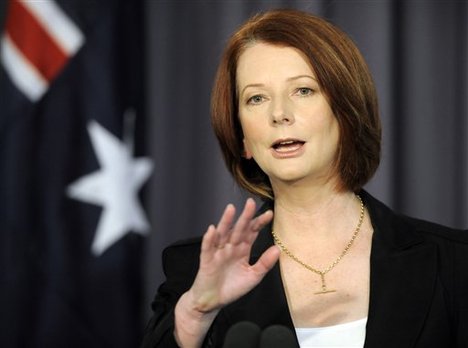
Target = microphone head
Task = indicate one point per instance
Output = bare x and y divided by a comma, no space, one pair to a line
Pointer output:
242,334
278,336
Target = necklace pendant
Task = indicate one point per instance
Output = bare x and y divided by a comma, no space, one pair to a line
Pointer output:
324,286
324,292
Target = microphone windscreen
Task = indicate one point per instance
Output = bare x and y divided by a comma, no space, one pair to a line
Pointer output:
243,334
278,336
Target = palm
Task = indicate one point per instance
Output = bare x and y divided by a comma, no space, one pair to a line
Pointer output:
225,273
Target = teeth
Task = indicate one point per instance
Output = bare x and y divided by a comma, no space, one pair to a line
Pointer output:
287,142
287,145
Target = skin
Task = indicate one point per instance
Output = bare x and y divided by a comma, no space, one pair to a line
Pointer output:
279,100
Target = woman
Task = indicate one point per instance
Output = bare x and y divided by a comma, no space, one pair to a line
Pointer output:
295,111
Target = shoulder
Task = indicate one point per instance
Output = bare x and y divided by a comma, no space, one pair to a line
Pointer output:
437,232
452,255
395,233
184,245
402,228
182,255
180,265
451,245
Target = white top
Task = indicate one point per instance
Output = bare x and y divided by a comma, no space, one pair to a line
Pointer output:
347,335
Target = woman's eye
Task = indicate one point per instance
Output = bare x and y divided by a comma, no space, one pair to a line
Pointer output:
304,91
256,99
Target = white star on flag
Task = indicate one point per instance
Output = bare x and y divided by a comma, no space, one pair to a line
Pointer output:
115,187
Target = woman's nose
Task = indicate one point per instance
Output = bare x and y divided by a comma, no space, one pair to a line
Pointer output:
281,113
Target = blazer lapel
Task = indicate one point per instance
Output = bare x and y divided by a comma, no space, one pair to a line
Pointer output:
271,289
403,276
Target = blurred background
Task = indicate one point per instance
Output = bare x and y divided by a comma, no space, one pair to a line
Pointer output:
107,154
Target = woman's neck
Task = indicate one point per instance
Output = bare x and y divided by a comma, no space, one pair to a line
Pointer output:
319,211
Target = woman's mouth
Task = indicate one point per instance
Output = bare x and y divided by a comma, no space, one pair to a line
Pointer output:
287,148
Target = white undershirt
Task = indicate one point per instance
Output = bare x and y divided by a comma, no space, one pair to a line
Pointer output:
347,335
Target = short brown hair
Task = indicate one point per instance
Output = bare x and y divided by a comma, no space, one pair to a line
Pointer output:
343,76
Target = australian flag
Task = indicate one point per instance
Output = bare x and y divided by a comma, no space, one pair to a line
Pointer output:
72,169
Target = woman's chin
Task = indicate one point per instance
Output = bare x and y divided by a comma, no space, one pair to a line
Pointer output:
289,177
296,177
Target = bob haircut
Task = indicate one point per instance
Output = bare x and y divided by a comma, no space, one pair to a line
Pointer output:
343,76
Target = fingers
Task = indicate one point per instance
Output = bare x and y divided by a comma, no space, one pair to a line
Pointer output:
257,224
208,245
263,219
209,239
245,228
267,261
243,222
224,225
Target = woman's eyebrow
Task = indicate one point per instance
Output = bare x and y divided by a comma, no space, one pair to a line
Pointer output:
288,79
251,85
300,77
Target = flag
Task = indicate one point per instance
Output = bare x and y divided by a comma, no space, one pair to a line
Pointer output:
72,169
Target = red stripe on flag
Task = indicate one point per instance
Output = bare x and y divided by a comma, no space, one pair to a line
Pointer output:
33,41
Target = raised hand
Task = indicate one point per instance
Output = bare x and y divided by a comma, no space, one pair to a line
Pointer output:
224,273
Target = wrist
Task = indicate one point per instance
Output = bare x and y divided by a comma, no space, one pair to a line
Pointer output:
191,321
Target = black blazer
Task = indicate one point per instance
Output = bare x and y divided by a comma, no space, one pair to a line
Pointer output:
418,287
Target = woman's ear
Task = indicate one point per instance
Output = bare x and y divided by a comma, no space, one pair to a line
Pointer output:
246,153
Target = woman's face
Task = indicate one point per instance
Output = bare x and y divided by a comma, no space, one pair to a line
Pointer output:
289,128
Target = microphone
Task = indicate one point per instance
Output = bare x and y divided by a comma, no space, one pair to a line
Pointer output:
243,334
278,336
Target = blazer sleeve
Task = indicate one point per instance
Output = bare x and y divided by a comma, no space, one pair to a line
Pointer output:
453,273
460,290
180,265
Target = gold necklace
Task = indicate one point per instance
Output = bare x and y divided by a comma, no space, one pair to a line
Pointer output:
324,290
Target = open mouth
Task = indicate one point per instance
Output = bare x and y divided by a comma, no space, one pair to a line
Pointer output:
289,145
